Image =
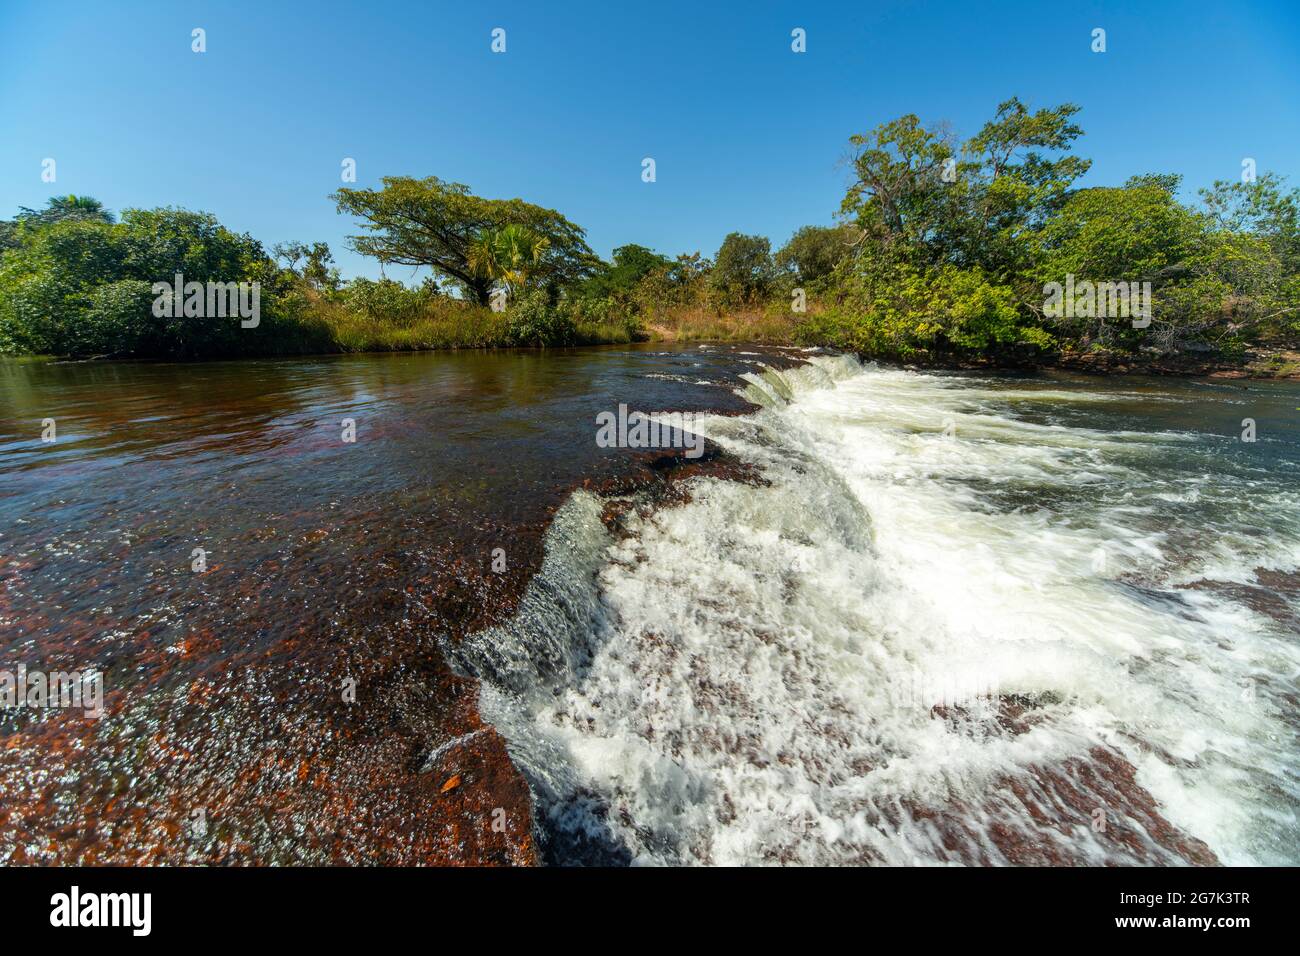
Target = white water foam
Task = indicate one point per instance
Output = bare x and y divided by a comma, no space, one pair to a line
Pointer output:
752,676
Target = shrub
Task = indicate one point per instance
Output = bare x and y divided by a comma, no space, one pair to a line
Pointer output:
389,301
533,319
82,286
905,312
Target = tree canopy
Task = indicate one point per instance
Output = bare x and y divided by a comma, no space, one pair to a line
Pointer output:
58,208
434,223
813,252
947,226
919,195
631,264
79,285
742,269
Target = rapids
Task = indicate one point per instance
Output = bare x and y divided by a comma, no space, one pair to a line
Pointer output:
967,619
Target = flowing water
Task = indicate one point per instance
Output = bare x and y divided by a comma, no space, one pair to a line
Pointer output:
947,618
955,595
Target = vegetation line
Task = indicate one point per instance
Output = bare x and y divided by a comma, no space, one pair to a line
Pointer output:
945,253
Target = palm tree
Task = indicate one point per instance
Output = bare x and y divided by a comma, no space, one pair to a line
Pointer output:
68,207
507,255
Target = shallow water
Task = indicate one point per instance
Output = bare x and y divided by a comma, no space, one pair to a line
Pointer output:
326,563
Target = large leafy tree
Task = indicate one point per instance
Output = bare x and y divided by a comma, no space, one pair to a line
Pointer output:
1015,174
318,269
1263,208
947,230
631,264
1138,232
742,269
918,196
81,286
1253,247
1135,232
434,223
897,197
1219,277
56,209
813,252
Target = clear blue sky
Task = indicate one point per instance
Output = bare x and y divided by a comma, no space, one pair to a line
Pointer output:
746,134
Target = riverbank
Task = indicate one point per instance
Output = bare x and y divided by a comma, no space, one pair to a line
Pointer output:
482,330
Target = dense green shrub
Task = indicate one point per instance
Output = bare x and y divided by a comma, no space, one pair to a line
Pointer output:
534,319
389,301
906,312
84,286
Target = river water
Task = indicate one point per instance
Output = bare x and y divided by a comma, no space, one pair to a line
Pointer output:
820,670
946,618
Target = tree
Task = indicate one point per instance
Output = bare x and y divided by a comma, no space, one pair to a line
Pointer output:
430,222
897,198
1220,277
1017,173
1137,232
689,268
632,263
1261,208
318,268
742,269
916,196
1254,249
946,245
81,286
59,208
508,255
903,311
813,252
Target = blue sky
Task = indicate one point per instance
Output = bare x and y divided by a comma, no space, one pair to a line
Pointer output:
746,134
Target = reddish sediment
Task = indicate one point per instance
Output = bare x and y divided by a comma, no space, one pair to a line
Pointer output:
318,745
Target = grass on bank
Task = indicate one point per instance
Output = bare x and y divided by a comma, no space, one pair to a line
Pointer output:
698,324
447,323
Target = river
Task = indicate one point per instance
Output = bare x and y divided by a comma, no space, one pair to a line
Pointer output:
895,617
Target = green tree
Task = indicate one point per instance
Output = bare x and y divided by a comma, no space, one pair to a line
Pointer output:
1135,232
632,263
742,269
813,252
509,255
1253,249
689,268
1262,208
897,198
1138,232
916,195
899,310
430,222
317,270
81,286
59,208
1016,173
